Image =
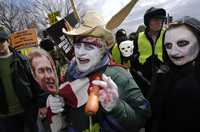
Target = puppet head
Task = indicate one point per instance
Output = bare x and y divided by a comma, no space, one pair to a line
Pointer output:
43,68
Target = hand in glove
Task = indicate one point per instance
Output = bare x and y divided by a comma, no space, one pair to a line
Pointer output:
56,103
108,95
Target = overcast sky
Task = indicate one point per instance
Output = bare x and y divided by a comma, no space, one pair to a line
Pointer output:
176,8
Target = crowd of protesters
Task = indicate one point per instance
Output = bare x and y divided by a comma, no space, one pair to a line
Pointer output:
145,81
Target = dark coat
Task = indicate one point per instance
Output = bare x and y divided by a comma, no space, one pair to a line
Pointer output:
176,97
26,88
175,102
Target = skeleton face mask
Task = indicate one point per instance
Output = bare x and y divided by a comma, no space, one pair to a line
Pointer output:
126,48
181,45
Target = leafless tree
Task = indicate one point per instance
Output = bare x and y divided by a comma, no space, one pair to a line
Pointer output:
41,9
15,17
8,13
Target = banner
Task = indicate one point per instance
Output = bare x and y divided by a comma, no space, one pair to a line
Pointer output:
59,38
24,39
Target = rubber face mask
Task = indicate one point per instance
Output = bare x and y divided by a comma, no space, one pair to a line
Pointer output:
126,48
44,73
181,45
87,56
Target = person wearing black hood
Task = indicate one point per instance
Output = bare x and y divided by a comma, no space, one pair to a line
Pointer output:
175,101
148,46
122,53
120,36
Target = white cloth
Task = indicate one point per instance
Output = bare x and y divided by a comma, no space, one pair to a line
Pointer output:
56,103
58,123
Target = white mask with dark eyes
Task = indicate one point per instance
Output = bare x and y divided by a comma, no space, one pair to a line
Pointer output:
87,56
126,48
181,45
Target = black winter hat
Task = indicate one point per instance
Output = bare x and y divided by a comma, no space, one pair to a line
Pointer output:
121,32
3,33
154,13
121,36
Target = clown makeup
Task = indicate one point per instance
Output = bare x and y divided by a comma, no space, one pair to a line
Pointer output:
181,45
87,55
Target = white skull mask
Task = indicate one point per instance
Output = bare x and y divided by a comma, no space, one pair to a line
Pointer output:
126,48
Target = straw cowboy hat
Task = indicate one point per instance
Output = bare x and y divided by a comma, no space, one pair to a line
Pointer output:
93,24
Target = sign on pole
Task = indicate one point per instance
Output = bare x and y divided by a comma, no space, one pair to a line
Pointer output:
23,39
59,38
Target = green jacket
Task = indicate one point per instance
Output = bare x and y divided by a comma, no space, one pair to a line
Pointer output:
128,115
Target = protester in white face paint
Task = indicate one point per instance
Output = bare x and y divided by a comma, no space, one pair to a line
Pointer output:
84,54
184,48
122,105
175,101
91,58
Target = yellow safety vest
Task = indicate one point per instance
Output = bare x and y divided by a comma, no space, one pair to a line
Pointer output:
145,48
116,53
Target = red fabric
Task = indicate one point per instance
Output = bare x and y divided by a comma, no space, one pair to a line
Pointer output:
69,96
114,63
49,115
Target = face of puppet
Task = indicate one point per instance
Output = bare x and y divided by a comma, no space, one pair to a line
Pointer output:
181,45
4,50
87,56
44,73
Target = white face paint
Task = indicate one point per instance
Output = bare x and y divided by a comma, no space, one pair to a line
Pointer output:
181,45
87,56
126,48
